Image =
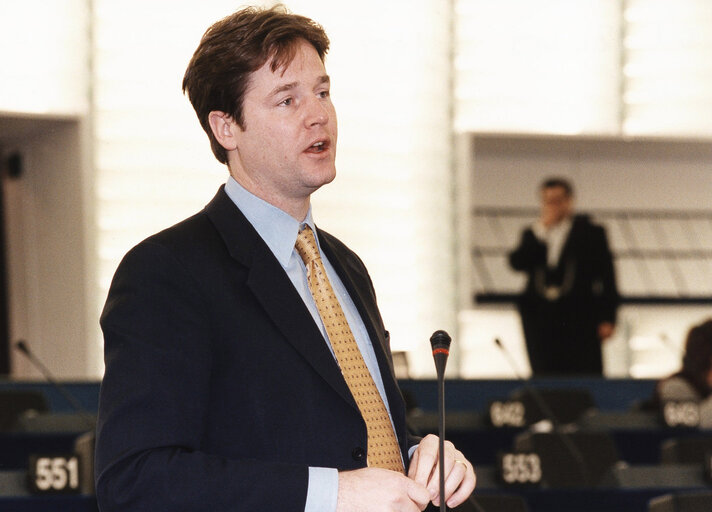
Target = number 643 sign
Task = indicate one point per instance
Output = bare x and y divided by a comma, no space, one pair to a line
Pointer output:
54,474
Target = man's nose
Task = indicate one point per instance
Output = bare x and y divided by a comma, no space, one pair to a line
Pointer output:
317,112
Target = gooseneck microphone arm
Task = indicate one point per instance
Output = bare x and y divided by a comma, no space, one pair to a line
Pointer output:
549,415
25,349
440,342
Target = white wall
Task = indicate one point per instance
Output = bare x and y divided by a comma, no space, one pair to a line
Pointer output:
44,52
44,115
48,254
607,173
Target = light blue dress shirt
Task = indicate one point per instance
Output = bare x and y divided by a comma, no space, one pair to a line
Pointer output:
279,230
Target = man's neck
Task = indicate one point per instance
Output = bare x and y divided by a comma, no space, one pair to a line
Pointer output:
563,221
297,208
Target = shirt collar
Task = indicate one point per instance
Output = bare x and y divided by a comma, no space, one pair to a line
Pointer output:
276,227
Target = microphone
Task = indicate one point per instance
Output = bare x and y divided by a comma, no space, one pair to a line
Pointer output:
549,415
440,342
86,416
510,359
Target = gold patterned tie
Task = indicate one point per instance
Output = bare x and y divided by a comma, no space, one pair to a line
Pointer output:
383,450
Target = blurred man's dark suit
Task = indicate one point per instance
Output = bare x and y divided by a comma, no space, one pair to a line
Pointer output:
562,306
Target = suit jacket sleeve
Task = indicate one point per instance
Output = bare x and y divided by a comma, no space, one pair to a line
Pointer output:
149,453
529,254
605,290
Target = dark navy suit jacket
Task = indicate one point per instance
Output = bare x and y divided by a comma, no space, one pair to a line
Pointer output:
220,390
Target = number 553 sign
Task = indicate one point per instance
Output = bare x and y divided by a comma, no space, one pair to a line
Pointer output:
519,469
54,474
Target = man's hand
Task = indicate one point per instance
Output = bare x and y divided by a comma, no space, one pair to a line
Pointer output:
605,330
459,474
376,489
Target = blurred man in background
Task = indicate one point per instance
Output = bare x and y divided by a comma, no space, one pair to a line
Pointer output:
568,307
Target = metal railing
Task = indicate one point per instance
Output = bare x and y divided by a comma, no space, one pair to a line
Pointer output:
661,256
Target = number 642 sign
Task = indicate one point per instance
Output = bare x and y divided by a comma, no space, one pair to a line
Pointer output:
54,474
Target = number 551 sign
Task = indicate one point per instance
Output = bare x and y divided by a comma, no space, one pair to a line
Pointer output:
54,474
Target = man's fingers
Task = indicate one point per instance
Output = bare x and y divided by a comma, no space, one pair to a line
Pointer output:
459,497
412,470
459,477
450,456
379,489
466,486
456,482
427,453
425,470
418,494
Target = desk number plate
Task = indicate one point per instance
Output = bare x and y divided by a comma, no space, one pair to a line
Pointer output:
520,468
54,474
681,414
510,413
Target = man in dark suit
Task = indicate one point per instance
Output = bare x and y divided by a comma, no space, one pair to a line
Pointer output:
225,387
568,307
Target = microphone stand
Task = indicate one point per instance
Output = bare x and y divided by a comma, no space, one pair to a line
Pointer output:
87,417
441,434
549,414
440,342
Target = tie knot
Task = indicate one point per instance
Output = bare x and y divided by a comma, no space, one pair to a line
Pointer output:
306,245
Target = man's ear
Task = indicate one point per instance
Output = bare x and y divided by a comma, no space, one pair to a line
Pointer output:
224,129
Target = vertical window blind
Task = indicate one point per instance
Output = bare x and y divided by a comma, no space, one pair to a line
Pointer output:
668,68
545,66
45,69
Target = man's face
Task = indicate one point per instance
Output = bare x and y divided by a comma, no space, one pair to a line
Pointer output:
556,205
288,147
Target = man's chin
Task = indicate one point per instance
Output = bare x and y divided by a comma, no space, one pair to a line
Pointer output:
322,177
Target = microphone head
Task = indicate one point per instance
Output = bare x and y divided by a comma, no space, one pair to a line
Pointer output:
440,340
22,347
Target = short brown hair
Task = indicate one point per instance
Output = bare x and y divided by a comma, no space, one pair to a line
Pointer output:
697,360
232,49
557,182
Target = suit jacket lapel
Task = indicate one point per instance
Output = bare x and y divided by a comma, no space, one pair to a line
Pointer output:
567,250
274,291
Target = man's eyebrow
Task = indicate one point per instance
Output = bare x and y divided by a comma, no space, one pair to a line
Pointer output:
324,79
283,87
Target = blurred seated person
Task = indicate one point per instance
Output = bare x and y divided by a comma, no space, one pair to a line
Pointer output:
694,380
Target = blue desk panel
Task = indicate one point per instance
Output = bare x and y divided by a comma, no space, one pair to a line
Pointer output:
80,503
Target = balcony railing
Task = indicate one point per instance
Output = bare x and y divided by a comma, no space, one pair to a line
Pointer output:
661,256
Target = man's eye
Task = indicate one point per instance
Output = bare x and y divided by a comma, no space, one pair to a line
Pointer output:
286,102
324,94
